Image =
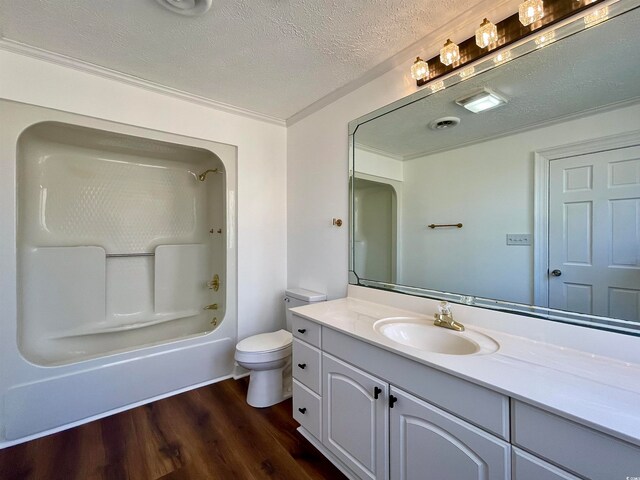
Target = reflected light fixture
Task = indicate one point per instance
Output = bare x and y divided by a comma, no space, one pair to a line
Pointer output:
420,69
450,53
596,17
502,57
486,34
530,11
467,73
436,86
481,101
545,39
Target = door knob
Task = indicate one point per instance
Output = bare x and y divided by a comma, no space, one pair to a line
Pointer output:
376,392
556,273
302,365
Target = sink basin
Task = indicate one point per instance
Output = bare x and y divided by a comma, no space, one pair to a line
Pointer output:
423,335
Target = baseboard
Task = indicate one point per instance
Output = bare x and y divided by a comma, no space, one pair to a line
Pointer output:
330,456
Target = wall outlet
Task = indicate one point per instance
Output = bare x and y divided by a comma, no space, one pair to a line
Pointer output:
523,239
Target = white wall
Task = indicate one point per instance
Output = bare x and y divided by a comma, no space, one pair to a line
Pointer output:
262,212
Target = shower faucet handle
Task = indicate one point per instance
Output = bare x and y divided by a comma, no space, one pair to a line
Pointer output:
213,306
215,283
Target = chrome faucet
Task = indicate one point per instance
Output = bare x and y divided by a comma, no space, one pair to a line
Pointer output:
444,318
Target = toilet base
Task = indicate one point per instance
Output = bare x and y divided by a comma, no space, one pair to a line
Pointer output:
268,387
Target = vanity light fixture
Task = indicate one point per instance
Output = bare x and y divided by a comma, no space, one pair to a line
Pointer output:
450,53
420,69
467,73
596,17
530,11
545,39
486,34
481,101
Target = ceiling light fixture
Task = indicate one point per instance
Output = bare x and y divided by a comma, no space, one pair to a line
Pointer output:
481,101
450,53
530,11
420,69
486,34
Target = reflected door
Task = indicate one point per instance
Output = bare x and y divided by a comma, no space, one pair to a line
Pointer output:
594,233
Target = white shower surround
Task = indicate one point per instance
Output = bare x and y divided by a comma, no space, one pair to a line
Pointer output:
90,387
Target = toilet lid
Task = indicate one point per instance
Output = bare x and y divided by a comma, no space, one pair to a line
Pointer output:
265,342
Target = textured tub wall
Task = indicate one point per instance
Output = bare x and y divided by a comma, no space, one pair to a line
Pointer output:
261,164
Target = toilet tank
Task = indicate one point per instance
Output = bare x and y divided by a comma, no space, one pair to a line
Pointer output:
297,297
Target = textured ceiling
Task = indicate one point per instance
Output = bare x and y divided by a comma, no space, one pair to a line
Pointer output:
592,69
273,57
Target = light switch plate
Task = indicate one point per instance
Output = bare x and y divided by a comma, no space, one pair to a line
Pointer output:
523,239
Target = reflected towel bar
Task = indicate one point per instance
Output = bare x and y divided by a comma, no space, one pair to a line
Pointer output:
124,255
433,225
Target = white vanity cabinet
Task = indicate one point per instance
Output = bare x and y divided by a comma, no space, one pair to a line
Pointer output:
429,444
355,412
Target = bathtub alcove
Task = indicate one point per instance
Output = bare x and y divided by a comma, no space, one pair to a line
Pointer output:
118,241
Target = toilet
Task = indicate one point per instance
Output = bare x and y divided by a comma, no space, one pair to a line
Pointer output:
268,355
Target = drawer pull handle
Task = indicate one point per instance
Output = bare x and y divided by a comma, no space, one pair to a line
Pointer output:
302,365
376,392
302,410
392,400
302,330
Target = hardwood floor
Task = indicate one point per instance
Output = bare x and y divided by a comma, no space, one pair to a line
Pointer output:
208,433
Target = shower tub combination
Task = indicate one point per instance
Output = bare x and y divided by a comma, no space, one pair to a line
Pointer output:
124,267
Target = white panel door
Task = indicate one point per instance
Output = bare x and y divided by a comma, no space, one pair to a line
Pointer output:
594,233
430,444
355,418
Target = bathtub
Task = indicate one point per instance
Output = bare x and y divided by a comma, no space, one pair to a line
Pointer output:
118,256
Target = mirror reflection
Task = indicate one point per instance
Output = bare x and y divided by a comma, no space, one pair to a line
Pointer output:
535,201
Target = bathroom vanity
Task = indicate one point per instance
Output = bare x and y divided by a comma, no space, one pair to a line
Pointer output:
519,406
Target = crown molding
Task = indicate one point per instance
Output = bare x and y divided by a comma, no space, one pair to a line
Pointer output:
87,67
378,151
464,25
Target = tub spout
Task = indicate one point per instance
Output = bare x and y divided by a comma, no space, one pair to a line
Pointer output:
203,175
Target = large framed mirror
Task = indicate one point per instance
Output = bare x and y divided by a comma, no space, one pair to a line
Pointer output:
532,206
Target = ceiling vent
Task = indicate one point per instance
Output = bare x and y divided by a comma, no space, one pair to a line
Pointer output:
444,123
186,7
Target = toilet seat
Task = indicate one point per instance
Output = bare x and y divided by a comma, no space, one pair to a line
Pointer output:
264,347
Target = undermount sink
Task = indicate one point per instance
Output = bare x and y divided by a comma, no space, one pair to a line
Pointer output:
423,335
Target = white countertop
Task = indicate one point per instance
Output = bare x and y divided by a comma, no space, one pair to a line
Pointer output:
597,391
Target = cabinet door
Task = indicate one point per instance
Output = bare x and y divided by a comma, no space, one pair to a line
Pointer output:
430,444
355,422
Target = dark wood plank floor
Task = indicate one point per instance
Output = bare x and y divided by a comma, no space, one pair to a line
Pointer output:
208,433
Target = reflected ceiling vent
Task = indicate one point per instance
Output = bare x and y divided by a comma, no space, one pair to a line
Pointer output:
444,123
186,7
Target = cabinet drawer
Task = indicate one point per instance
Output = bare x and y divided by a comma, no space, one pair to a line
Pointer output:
306,330
528,467
574,447
307,409
307,367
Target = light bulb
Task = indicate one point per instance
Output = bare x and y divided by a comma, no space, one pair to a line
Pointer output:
486,34
450,53
530,11
420,69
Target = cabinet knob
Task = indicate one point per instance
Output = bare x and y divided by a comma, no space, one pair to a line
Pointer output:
302,410
392,400
302,365
302,330
376,392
